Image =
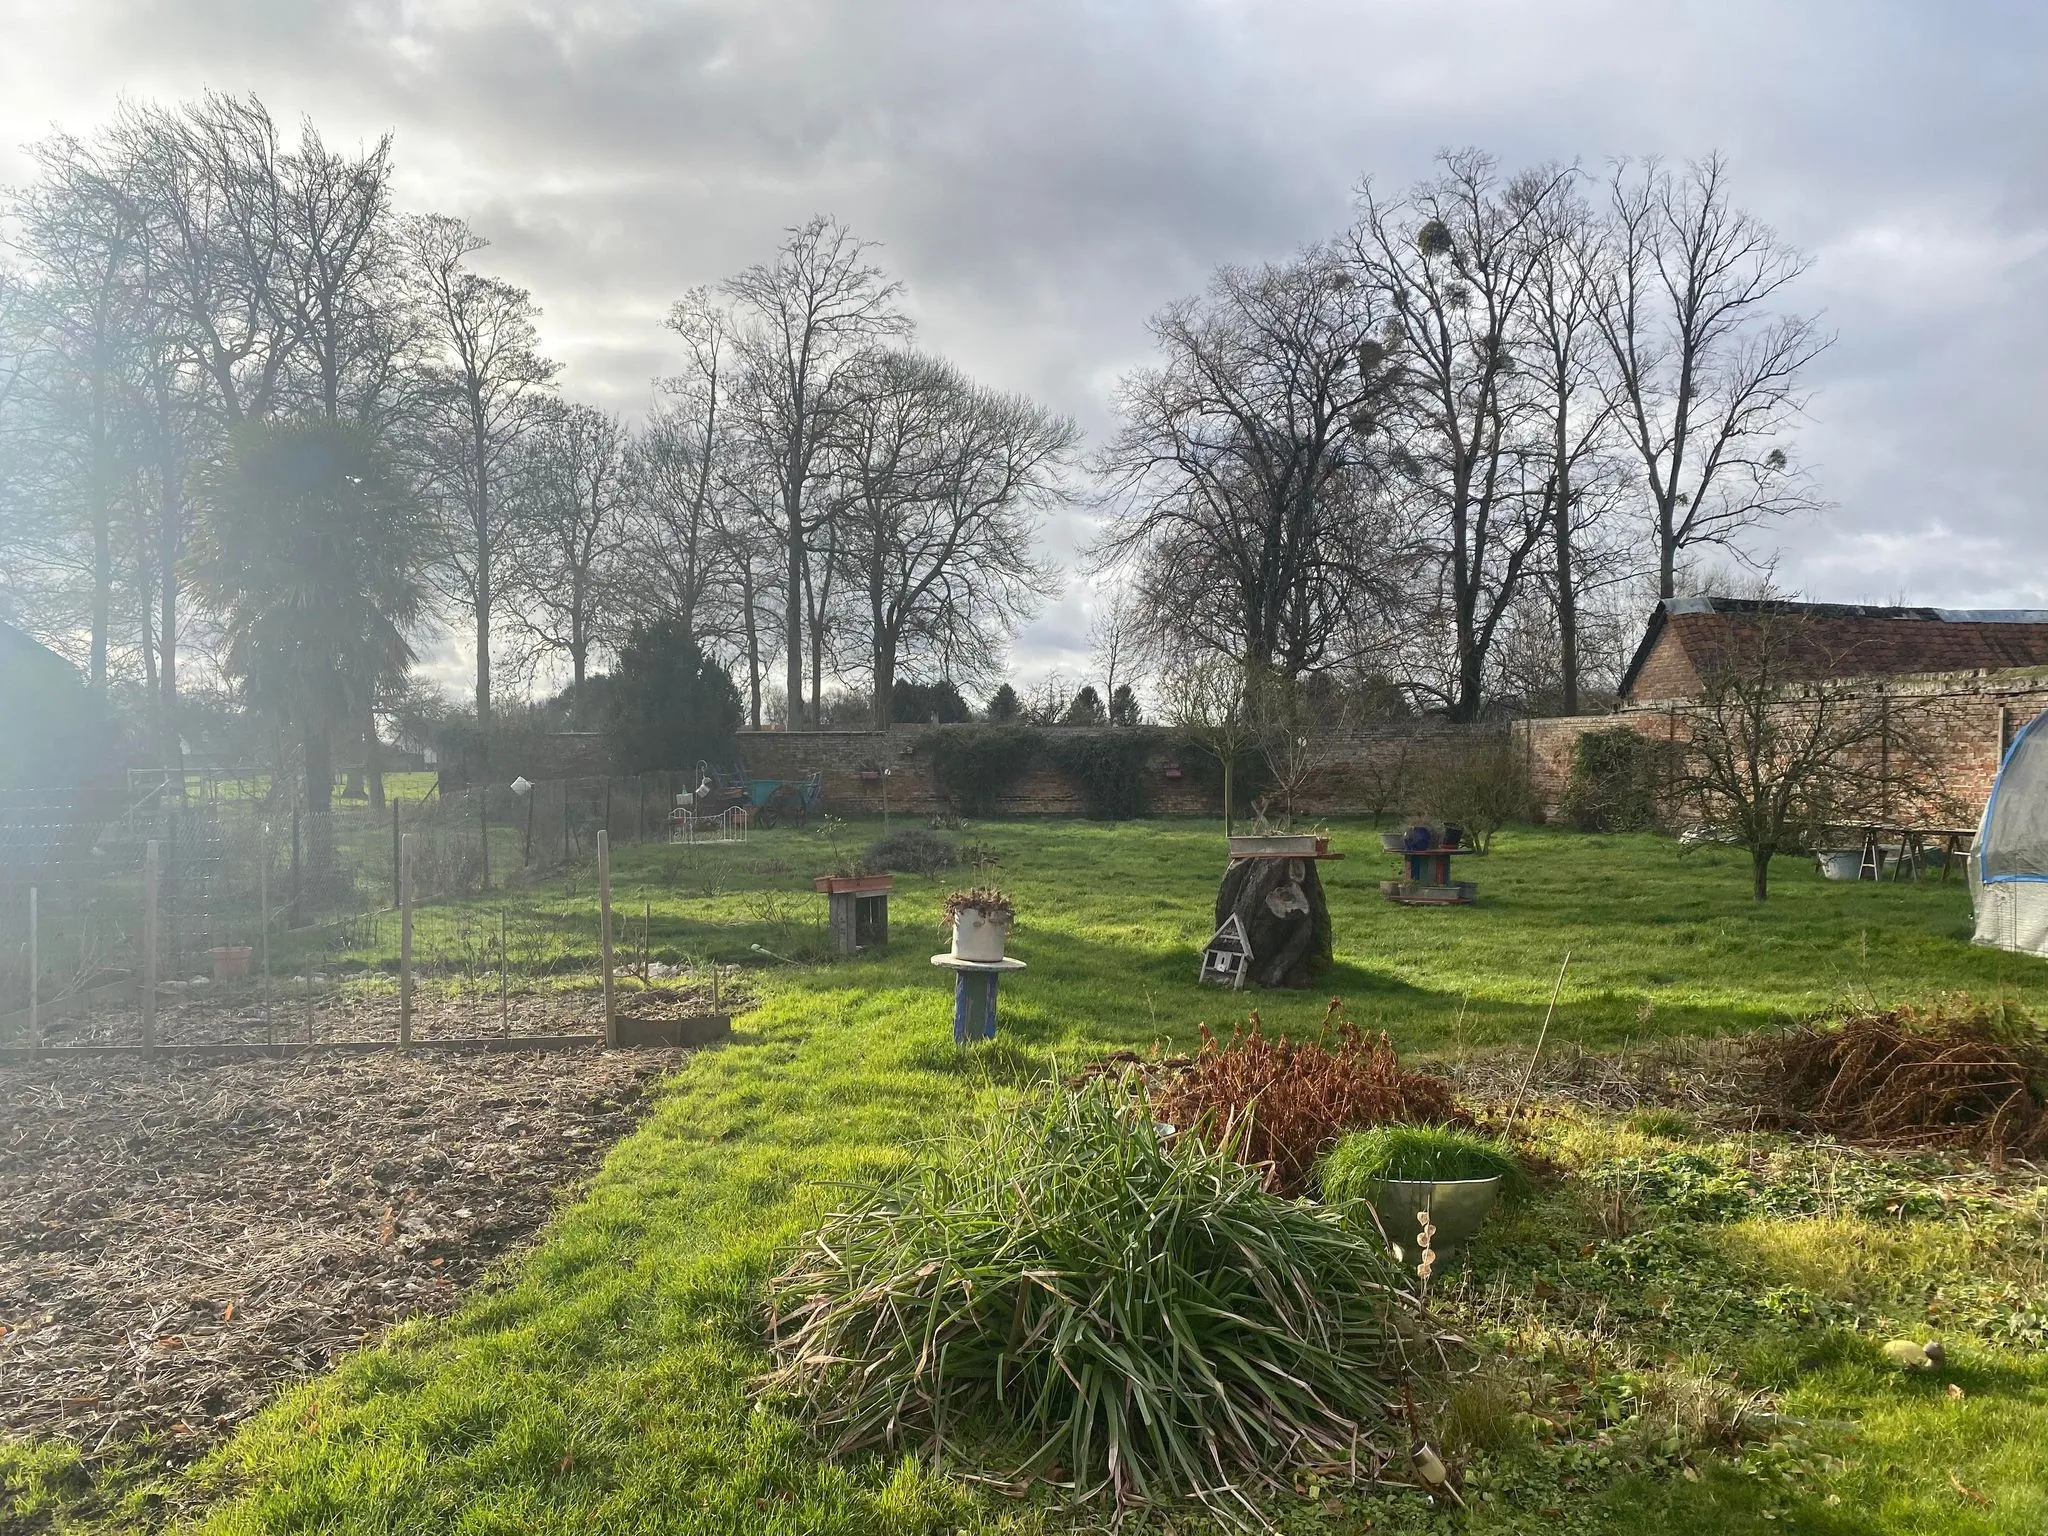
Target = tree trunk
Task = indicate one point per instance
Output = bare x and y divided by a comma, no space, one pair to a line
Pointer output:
1760,874
885,683
1567,596
483,654
319,771
793,620
373,761
752,621
1285,915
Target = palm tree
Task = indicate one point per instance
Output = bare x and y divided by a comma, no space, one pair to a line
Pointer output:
310,548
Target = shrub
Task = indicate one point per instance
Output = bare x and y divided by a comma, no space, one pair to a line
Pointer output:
912,851
917,703
1481,787
1418,1152
976,764
1139,1312
1615,780
670,705
1281,1104
1110,768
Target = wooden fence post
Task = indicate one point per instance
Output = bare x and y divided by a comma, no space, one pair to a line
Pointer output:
405,943
483,828
565,821
149,889
397,895
604,936
504,985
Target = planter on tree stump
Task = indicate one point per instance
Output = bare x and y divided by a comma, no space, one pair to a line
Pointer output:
1280,904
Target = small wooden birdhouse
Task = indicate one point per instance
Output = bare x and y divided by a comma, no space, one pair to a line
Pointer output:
1227,960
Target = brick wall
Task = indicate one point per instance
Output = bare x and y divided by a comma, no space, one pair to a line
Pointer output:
1375,773
1964,721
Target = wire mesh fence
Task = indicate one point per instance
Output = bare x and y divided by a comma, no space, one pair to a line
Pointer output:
275,925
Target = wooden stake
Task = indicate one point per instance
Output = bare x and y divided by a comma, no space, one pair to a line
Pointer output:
150,856
35,1023
405,943
397,893
263,900
483,829
1530,1070
646,930
504,992
604,936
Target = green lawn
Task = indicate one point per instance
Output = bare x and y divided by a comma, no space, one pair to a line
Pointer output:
603,1386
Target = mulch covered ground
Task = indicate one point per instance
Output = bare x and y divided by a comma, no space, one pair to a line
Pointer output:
177,1240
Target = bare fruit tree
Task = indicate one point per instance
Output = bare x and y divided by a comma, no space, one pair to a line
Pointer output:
1784,743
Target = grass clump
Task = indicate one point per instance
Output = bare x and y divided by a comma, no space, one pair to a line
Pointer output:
1103,1308
1435,1152
912,851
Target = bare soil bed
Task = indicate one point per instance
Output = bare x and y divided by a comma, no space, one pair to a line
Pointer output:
178,1240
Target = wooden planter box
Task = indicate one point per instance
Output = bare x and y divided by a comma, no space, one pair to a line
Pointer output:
638,1033
1290,845
848,885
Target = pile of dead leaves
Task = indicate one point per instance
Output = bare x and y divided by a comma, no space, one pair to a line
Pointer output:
1283,1103
1971,1077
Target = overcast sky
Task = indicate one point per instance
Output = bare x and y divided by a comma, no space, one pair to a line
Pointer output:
1045,174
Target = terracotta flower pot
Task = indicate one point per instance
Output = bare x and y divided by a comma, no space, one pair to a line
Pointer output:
231,961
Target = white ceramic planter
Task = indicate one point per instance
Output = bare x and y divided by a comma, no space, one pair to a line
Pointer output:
978,935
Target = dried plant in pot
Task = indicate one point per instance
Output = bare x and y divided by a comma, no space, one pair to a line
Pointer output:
981,920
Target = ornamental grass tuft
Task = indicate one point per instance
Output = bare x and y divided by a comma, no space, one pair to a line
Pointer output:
1434,1152
1092,1301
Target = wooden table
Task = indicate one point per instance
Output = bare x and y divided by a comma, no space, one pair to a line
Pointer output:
1912,842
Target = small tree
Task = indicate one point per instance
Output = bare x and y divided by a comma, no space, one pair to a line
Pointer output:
1206,702
670,705
1086,708
1004,706
1780,747
1123,706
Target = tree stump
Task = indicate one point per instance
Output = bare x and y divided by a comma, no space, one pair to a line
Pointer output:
1285,915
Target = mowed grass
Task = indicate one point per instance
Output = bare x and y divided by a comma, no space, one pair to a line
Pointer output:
603,1385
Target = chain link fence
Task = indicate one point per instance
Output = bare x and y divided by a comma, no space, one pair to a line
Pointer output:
274,925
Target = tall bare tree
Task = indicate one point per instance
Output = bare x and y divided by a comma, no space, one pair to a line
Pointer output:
482,369
1455,259
1707,368
812,310
1243,478
939,482
572,529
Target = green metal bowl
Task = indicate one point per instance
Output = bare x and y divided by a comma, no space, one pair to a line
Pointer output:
1458,1207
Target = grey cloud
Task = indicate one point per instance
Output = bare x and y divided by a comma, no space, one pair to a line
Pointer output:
1044,175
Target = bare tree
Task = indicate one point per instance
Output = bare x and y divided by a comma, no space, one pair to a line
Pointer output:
1243,475
1780,745
482,367
1707,371
680,466
939,482
571,494
1456,259
1559,340
1117,636
809,313
1206,701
